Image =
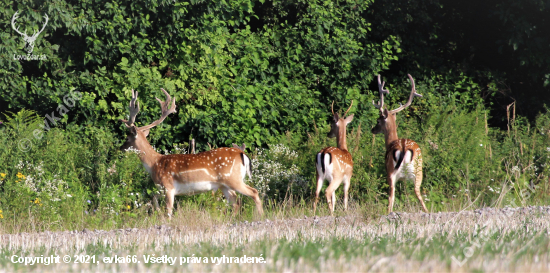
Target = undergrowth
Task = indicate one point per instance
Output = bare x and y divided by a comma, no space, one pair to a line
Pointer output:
75,177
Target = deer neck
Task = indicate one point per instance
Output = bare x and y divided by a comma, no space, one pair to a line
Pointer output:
390,133
148,156
341,139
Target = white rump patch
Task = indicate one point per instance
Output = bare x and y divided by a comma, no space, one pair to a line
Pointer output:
244,166
328,167
406,170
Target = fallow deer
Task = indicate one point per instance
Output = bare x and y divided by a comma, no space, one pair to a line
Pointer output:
335,164
179,174
403,156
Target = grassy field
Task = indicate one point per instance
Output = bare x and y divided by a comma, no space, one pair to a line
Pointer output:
484,240
91,202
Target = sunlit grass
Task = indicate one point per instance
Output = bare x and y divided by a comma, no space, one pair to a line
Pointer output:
355,240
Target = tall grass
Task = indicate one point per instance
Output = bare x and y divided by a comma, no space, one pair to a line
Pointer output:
74,177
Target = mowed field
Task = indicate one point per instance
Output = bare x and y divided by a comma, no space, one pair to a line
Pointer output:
483,240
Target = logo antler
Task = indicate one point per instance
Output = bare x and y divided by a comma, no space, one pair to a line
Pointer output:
29,40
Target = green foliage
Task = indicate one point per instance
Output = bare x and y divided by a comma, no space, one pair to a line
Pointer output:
264,73
236,77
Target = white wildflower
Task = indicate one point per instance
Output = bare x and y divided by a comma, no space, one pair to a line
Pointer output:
133,150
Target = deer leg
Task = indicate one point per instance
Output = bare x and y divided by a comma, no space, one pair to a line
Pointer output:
155,202
162,191
252,193
391,181
330,193
170,194
347,183
320,180
417,183
333,197
231,197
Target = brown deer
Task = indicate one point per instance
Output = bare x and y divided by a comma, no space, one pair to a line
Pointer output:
403,156
179,174
335,164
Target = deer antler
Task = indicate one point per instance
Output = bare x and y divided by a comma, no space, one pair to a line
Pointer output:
348,108
15,17
167,107
382,91
411,97
335,116
134,109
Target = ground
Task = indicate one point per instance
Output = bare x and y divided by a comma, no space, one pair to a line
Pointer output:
485,240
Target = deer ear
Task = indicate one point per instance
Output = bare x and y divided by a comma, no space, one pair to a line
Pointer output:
145,132
133,130
348,119
242,147
385,113
336,118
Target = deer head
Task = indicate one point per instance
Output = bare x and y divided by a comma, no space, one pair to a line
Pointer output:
386,122
28,39
137,136
338,126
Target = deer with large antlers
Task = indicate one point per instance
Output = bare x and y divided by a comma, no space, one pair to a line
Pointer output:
335,164
187,174
403,156
28,39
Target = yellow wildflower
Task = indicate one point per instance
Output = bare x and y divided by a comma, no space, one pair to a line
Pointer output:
128,206
2,176
20,176
1,215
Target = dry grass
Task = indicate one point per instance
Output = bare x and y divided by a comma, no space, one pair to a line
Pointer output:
500,240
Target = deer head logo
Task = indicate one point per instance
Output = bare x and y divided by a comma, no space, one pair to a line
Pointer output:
28,39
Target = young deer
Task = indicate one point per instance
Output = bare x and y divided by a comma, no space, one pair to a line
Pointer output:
403,156
335,164
223,168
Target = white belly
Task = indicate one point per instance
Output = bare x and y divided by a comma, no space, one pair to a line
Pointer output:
194,188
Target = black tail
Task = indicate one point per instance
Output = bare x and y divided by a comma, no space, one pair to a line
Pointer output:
401,157
322,159
249,164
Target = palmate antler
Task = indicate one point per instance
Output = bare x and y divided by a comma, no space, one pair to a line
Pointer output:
134,110
167,107
383,92
411,97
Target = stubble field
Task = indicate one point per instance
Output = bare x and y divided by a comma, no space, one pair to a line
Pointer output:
483,240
